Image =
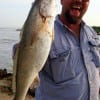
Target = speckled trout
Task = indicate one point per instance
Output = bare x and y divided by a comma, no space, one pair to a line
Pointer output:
35,44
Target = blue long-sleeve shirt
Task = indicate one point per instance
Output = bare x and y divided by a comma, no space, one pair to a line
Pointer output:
70,72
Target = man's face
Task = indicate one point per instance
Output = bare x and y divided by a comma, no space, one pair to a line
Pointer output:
73,10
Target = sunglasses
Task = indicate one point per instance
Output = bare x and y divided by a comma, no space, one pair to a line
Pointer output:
85,0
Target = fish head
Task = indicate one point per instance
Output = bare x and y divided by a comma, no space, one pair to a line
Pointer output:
48,8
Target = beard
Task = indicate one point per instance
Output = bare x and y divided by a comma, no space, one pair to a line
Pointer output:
72,19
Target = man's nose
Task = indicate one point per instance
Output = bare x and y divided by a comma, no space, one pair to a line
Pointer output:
79,0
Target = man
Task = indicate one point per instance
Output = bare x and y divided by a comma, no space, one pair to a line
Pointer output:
71,70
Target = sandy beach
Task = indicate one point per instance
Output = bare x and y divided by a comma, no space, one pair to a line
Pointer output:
6,91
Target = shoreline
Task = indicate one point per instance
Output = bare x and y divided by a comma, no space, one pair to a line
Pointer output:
6,86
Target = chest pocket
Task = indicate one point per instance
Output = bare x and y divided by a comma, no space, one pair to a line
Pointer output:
94,44
60,67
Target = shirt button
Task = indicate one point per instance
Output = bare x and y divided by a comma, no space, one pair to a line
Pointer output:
90,82
88,49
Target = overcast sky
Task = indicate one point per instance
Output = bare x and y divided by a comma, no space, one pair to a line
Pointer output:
13,13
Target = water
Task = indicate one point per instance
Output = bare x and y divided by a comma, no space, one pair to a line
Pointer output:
8,37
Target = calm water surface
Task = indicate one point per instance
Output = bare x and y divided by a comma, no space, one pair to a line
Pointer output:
8,37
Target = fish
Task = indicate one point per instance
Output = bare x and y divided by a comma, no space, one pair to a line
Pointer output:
35,44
